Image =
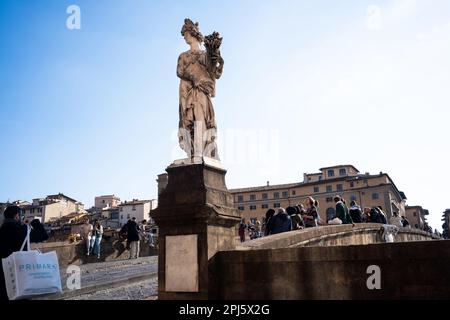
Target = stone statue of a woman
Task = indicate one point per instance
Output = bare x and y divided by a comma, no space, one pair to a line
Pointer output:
198,70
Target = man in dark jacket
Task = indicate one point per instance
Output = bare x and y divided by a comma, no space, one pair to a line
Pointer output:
133,238
375,216
342,211
355,212
281,222
12,236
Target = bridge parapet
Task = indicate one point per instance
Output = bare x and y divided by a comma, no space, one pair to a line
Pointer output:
341,235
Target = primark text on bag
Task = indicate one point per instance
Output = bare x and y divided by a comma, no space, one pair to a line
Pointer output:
31,273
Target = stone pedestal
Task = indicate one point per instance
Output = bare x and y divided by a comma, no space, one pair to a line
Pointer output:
196,219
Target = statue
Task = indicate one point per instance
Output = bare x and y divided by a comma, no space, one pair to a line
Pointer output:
198,71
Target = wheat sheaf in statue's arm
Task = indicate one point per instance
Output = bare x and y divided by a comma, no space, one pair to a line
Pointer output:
216,62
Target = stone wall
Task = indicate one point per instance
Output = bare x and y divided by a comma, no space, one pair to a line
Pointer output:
409,270
75,253
360,234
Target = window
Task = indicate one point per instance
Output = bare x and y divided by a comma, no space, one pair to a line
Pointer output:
240,199
293,192
340,187
277,205
353,198
415,214
241,208
309,178
320,178
121,217
276,195
329,199
352,184
329,188
342,172
331,173
103,201
265,206
316,189
252,207
128,216
375,196
121,208
134,208
265,196
285,194
252,197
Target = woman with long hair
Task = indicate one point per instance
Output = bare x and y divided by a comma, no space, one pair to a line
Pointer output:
311,216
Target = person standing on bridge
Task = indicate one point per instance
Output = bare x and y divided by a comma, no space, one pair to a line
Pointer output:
86,234
281,222
311,216
355,212
342,211
96,240
133,238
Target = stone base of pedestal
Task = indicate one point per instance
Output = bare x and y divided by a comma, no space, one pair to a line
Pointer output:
196,219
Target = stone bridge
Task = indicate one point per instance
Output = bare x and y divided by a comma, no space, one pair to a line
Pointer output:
333,262
341,235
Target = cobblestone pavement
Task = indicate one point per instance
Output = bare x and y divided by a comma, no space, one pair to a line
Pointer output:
117,280
142,290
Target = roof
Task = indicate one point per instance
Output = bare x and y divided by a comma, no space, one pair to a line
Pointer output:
108,196
133,203
61,195
73,215
339,166
267,188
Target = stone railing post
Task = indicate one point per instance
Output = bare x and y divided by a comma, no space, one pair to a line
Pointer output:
196,218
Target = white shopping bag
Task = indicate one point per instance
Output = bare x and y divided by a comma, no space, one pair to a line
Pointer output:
31,273
335,221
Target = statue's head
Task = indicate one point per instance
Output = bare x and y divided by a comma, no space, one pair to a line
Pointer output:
191,32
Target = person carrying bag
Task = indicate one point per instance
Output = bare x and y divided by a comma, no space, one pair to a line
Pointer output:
31,273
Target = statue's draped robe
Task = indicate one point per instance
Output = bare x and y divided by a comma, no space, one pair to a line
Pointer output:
197,86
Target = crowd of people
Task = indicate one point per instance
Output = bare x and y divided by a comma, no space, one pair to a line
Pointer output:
133,232
306,215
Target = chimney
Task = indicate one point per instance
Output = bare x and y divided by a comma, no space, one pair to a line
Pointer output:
268,183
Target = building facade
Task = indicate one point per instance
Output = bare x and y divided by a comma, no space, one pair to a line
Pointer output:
417,216
52,208
345,180
139,209
109,201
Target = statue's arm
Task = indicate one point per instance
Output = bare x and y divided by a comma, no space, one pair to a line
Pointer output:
219,68
216,63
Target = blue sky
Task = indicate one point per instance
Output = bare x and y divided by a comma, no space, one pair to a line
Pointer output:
306,84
